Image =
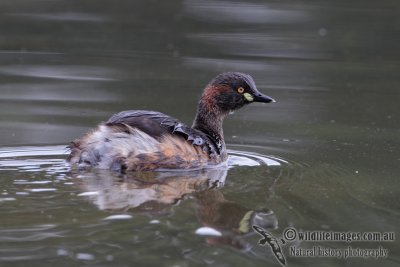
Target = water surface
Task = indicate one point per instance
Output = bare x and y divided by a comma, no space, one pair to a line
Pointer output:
324,157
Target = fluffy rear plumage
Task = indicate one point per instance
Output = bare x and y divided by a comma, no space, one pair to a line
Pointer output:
122,147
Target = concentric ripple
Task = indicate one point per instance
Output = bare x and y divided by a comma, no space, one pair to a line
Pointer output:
242,158
51,160
33,158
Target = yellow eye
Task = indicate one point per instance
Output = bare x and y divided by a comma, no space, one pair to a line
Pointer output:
240,90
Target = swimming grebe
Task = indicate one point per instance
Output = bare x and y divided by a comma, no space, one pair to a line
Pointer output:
137,140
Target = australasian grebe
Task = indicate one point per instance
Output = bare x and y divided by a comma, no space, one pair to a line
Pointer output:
137,140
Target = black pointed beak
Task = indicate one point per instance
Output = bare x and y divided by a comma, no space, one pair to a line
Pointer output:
259,97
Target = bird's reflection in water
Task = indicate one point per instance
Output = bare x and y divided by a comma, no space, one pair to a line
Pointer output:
155,192
147,191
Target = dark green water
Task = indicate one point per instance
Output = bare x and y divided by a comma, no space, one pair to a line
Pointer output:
324,157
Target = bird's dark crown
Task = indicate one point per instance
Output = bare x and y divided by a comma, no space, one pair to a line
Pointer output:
235,80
